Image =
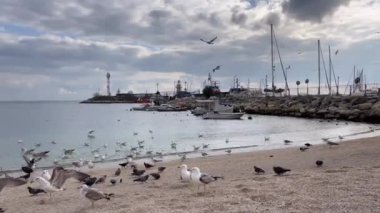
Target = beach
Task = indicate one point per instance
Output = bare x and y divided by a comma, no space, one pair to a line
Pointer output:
349,181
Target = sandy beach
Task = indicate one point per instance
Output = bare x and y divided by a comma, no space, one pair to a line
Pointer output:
349,181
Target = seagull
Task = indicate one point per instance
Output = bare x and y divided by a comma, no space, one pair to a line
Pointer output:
47,186
53,142
141,179
266,138
40,154
319,163
340,137
288,141
86,144
228,151
196,148
258,170
304,148
205,146
78,164
307,144
91,131
46,175
330,143
117,172
227,140
151,131
279,170
135,133
156,160
210,41
34,191
68,151
336,52
204,154
93,194
216,68
185,173
200,135
173,145
90,164
60,175
199,178
8,181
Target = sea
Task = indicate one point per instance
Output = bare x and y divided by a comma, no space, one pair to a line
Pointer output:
57,125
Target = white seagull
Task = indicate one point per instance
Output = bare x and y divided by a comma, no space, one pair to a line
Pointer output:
93,194
199,178
185,173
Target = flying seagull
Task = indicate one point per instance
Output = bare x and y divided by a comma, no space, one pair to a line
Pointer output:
199,178
8,181
336,52
60,175
210,41
47,186
93,194
216,68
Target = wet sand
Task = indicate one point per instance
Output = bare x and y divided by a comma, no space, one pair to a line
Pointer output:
349,181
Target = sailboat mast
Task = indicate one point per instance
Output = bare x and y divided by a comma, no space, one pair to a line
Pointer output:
272,67
319,68
330,71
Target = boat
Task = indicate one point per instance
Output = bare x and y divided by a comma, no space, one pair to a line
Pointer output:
222,115
141,108
170,108
199,111
204,106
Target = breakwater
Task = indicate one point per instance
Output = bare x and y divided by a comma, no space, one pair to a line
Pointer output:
352,108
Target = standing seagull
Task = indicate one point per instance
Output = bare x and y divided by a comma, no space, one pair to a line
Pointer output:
93,194
211,41
199,178
185,173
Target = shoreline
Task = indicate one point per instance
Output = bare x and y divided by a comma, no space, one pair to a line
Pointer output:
349,181
167,157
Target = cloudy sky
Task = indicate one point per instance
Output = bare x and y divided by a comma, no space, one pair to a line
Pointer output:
62,50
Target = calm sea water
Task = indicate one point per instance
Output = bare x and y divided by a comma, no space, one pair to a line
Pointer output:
68,123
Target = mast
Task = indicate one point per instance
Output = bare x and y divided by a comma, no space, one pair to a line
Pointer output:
319,68
272,67
330,71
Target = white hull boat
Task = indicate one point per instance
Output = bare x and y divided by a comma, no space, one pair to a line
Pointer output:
222,115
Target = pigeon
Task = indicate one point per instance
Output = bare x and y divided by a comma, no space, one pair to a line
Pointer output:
156,176
90,181
279,170
266,138
113,181
330,143
34,191
101,180
288,141
147,165
141,179
27,169
123,164
307,144
26,176
228,151
258,170
304,148
137,172
117,172
319,163
161,169
340,137
204,154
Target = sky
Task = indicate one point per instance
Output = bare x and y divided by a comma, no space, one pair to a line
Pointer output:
62,50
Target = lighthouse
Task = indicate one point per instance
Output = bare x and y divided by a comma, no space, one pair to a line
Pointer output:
108,84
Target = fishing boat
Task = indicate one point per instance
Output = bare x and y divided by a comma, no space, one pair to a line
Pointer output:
222,115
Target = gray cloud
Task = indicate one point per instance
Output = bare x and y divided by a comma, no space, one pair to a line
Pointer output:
311,10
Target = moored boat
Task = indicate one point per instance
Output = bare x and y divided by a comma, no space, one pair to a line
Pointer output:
222,115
